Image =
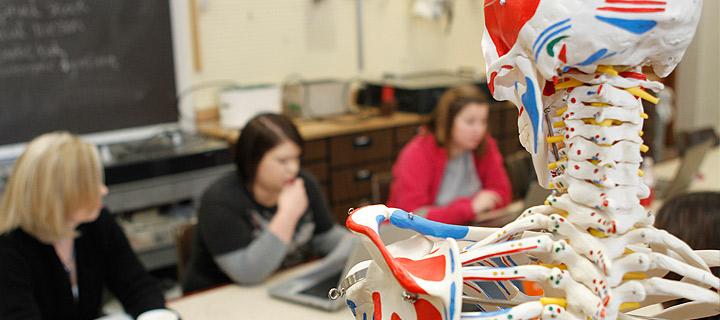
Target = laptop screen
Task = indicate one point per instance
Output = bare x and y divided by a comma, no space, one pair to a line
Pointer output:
321,288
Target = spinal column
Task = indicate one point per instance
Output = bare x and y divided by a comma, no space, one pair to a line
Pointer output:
595,138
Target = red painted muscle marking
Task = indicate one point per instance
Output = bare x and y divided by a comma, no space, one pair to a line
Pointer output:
430,269
633,75
493,278
563,54
499,254
426,310
632,10
637,2
377,306
504,21
400,273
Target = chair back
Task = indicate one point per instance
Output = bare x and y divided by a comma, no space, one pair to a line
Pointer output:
521,173
689,167
380,187
183,246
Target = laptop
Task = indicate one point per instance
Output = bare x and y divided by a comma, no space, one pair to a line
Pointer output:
311,287
689,167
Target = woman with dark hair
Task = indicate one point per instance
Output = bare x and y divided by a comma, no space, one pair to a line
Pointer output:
454,172
695,219
267,215
692,217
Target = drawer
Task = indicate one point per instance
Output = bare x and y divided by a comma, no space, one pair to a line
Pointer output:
318,169
404,134
315,150
362,147
355,183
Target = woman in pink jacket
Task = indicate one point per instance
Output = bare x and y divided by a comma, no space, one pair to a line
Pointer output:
454,172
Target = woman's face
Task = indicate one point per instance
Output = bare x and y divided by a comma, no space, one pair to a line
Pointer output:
91,212
279,166
469,126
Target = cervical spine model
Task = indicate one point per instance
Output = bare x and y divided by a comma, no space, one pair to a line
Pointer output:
573,68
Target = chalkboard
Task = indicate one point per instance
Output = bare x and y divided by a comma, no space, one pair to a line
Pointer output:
84,66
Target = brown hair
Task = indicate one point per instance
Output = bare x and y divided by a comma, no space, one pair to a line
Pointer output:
695,219
262,133
55,176
448,107
692,217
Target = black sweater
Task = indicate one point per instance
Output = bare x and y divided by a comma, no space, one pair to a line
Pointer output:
225,224
34,284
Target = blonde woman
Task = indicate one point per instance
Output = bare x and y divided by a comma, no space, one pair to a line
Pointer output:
58,248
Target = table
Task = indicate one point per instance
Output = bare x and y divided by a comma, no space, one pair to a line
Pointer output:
313,129
236,302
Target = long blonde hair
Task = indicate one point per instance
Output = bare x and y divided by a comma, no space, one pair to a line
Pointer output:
56,175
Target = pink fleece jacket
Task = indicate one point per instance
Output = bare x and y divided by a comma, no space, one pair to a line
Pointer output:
418,173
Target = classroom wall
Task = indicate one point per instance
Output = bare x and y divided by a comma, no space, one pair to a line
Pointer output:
698,75
267,41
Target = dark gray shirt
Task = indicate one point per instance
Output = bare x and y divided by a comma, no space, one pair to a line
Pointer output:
231,242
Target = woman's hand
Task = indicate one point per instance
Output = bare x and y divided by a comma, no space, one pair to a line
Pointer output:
484,201
292,204
158,314
293,200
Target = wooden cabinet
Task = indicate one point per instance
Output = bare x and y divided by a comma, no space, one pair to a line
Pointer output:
344,153
361,147
352,160
353,183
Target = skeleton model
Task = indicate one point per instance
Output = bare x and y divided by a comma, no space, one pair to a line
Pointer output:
573,68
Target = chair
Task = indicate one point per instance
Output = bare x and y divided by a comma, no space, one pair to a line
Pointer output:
521,173
685,140
689,166
380,187
183,246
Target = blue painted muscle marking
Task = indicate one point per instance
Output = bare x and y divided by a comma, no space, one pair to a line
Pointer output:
452,301
402,219
379,218
529,101
548,30
542,44
485,314
490,289
499,262
503,287
636,26
594,57
352,307
518,284
452,262
609,55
